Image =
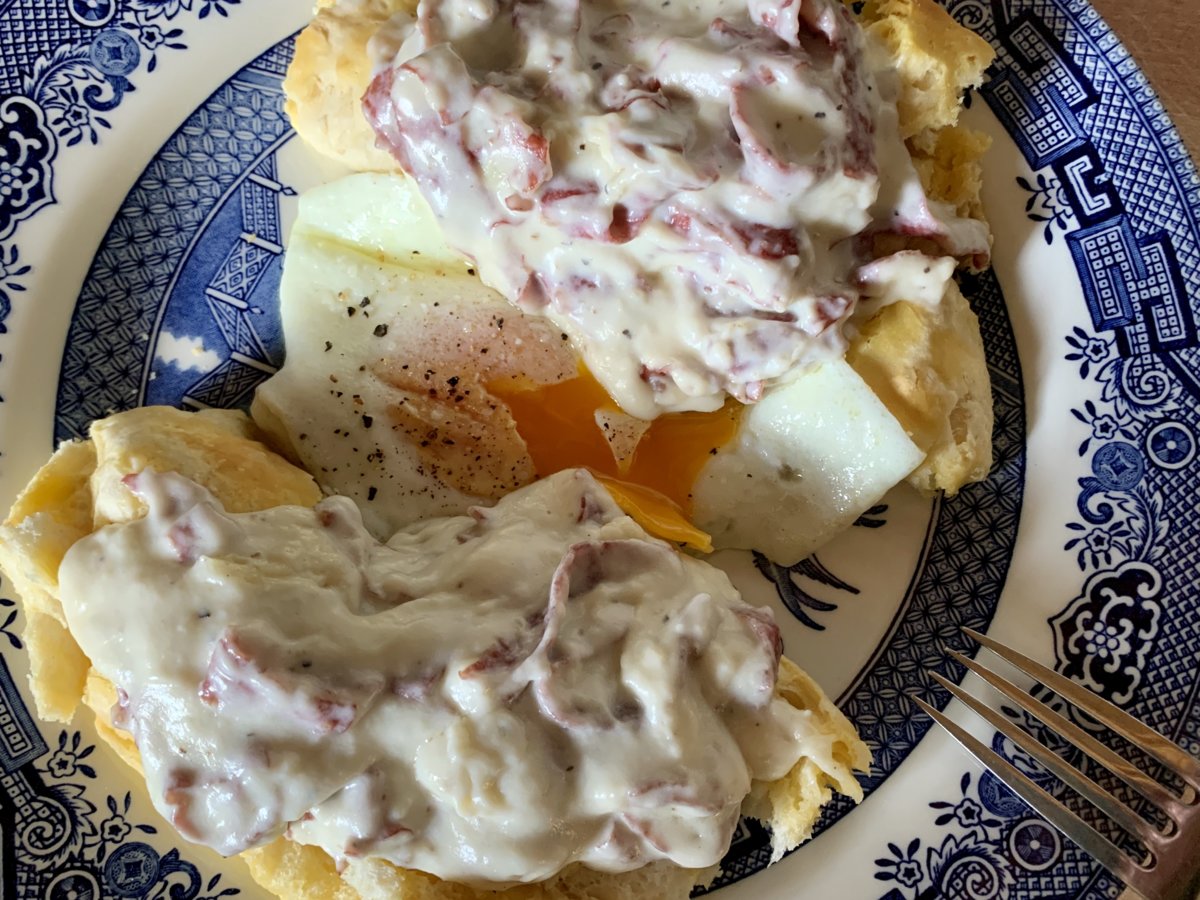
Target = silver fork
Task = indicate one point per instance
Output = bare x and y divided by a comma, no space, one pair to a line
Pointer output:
1171,869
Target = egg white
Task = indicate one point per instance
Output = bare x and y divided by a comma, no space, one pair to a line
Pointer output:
807,460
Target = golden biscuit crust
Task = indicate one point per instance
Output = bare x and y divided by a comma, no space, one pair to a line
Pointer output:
329,73
792,804
929,369
58,669
51,514
937,60
949,162
222,450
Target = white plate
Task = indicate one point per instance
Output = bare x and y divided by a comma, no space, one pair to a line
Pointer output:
147,181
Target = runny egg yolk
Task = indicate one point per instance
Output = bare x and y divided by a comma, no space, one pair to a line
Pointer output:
558,424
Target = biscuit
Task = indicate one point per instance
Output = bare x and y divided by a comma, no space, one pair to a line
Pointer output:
329,73
949,162
936,58
51,514
216,448
947,404
308,873
928,368
937,61
219,450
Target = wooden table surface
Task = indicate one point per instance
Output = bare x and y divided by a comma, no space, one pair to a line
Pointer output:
1164,38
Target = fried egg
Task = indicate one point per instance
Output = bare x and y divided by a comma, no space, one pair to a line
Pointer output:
418,391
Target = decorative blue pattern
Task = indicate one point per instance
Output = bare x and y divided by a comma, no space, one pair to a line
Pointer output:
27,148
1011,852
14,641
1103,140
68,847
1132,231
63,65
991,846
790,587
1111,175
1047,203
240,297
11,273
216,173
791,590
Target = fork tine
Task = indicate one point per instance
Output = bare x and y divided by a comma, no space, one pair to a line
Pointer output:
1104,712
1110,759
1092,792
1088,839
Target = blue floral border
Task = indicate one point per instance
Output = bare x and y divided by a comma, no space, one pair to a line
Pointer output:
64,65
1109,176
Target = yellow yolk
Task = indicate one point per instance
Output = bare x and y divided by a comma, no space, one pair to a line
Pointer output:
656,513
558,424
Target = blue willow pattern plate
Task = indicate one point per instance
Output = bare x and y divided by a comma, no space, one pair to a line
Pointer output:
147,182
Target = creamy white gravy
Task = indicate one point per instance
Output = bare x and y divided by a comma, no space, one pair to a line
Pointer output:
686,187
487,697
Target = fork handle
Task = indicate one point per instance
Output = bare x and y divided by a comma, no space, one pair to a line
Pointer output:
1188,888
